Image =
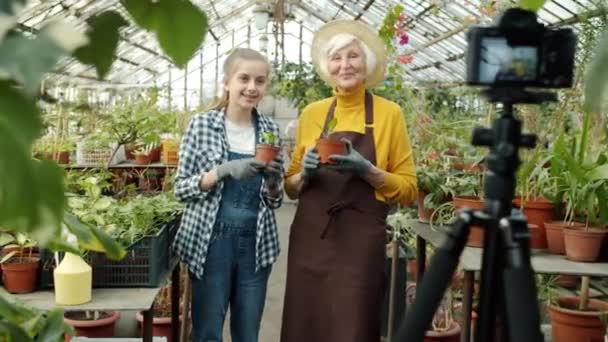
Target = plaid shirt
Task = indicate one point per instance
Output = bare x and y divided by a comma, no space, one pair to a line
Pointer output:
203,147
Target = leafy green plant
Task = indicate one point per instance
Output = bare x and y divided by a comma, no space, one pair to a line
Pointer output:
22,242
299,84
331,126
269,138
32,191
533,177
400,229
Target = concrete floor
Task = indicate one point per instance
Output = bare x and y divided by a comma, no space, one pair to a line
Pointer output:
271,322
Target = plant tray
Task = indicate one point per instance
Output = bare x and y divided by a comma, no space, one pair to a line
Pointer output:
146,261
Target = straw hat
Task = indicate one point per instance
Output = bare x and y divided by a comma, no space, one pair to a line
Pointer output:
358,29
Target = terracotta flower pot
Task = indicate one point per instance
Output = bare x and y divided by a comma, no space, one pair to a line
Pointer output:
19,274
451,335
62,157
569,324
583,244
470,167
424,215
537,210
103,327
161,326
142,159
568,281
535,236
327,146
476,233
155,154
555,235
266,153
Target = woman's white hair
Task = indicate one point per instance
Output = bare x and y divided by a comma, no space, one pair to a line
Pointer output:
342,40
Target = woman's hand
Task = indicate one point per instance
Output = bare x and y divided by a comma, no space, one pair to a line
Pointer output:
310,163
352,161
239,169
272,172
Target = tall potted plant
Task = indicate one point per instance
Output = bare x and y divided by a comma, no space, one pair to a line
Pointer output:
582,185
534,189
20,266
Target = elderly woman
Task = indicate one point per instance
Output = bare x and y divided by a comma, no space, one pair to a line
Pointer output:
336,261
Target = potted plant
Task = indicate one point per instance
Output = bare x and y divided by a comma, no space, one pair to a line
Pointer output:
431,175
143,155
267,151
467,190
444,326
161,313
582,185
149,180
578,318
91,323
19,269
327,145
534,188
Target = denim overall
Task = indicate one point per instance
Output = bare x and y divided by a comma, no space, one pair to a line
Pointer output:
230,277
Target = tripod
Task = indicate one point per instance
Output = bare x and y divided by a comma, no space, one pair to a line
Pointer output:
508,290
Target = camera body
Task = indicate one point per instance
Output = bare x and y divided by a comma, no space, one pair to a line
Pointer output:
520,52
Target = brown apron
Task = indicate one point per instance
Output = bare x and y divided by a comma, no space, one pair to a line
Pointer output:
336,260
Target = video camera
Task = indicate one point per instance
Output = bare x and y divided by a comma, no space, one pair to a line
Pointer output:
520,52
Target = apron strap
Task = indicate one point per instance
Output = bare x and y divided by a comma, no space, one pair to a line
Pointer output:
369,114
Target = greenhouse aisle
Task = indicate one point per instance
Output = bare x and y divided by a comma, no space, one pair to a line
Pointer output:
271,322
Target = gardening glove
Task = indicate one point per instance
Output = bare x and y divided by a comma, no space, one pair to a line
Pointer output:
239,169
273,172
310,163
352,161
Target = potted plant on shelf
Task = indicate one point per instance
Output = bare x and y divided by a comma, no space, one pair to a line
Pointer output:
143,155
582,185
431,175
535,189
327,145
269,149
161,313
91,323
578,318
20,266
467,193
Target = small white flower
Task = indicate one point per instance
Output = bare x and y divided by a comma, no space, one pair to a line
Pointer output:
66,36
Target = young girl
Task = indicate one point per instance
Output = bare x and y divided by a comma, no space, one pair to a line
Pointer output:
228,234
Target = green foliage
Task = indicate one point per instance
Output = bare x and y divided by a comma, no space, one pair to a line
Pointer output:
27,59
103,40
269,137
32,192
531,5
387,30
21,324
582,184
179,25
299,84
331,125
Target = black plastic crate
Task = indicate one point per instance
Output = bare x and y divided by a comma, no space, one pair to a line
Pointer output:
146,261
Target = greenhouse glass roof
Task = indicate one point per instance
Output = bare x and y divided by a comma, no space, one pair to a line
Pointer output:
436,29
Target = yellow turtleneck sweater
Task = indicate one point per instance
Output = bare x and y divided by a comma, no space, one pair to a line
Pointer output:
393,150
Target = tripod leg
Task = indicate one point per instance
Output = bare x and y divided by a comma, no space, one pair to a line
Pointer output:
523,318
435,281
467,305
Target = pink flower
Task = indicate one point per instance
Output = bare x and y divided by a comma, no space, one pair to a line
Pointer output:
405,59
404,39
